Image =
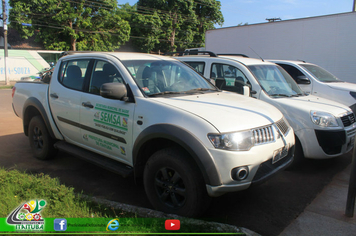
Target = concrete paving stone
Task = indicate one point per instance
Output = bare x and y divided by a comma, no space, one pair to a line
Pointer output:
311,224
332,203
344,176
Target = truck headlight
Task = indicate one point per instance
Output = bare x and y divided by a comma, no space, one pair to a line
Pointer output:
238,141
323,119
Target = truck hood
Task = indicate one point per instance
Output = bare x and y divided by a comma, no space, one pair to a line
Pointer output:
308,103
227,111
342,86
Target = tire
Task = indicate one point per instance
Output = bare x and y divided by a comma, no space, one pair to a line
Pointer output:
40,141
174,184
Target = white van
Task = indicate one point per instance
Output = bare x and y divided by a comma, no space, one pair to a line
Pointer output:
323,128
316,80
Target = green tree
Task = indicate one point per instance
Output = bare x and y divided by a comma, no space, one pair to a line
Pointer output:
168,25
209,15
71,24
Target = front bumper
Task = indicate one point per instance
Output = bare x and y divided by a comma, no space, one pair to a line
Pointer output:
324,144
258,161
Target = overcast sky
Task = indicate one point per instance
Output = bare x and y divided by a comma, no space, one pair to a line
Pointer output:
256,11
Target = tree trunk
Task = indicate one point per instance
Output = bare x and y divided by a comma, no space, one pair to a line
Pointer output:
174,31
73,40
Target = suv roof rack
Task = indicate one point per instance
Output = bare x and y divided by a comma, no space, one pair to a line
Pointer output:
192,52
232,54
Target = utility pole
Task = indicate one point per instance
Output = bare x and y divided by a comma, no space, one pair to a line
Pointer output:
4,18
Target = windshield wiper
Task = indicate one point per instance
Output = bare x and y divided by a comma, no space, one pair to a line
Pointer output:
164,93
280,94
297,95
199,89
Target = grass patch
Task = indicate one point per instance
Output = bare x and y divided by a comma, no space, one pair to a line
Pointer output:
62,202
17,187
6,87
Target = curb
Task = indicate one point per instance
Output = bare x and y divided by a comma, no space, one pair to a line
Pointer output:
147,213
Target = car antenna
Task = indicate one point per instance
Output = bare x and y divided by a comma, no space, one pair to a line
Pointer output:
257,54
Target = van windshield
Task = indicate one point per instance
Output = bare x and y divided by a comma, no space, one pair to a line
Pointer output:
276,81
320,73
161,77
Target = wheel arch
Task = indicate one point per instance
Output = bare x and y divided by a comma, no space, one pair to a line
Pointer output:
161,136
33,107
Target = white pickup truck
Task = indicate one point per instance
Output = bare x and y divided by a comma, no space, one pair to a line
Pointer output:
157,119
323,128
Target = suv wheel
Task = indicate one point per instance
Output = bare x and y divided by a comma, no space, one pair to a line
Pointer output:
174,184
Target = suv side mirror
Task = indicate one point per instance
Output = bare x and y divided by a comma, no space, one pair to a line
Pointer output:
114,91
301,79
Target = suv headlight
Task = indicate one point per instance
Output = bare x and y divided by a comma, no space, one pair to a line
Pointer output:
323,119
238,141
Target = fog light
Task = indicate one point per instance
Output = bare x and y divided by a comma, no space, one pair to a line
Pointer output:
240,173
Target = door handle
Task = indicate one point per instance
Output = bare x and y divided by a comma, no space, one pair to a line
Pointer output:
53,95
87,104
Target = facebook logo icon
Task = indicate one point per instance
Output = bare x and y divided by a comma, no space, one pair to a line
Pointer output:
60,224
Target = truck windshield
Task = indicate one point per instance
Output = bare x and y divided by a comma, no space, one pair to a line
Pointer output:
320,73
164,77
276,81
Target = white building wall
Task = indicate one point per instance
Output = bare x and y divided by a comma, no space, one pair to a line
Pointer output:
21,63
328,41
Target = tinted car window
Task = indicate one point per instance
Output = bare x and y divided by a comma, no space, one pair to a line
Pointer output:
73,73
292,71
198,66
228,77
103,72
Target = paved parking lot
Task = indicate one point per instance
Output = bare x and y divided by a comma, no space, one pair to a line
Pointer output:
266,209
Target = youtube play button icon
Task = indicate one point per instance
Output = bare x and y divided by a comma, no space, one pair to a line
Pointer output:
172,224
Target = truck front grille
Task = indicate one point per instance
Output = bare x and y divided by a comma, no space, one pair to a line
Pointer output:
283,126
263,135
348,119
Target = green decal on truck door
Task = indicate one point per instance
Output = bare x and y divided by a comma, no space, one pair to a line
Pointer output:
111,118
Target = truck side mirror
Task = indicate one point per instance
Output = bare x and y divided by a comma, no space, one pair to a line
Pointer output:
246,91
301,79
114,91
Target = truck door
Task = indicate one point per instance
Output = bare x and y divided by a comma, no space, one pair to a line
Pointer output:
106,124
65,94
229,78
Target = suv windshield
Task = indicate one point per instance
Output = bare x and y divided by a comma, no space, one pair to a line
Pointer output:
161,77
320,73
276,81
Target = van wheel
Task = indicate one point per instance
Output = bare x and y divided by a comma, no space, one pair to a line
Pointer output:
40,141
173,183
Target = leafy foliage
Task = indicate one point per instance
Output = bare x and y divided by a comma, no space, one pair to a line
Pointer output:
168,25
71,24
102,25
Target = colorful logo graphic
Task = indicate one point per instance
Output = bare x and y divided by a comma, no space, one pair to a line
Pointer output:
123,151
124,122
172,225
60,224
113,225
27,216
